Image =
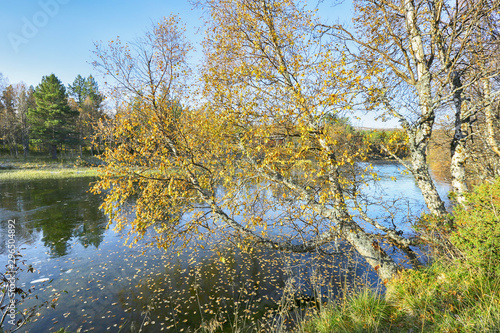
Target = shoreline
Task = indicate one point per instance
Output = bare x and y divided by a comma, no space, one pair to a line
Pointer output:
42,168
47,173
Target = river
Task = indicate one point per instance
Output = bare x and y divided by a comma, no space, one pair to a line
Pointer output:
100,284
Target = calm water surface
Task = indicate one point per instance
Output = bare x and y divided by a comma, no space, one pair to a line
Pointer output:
101,284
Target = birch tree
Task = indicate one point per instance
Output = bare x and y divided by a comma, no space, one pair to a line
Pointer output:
254,159
485,48
25,100
417,59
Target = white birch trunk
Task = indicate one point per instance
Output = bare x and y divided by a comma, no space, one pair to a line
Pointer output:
420,134
458,144
490,121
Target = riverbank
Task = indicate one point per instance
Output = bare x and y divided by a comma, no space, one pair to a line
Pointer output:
50,173
34,168
458,292
437,298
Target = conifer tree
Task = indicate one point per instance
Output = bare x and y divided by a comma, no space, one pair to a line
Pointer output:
53,121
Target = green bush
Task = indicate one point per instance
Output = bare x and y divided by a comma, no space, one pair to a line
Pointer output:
477,232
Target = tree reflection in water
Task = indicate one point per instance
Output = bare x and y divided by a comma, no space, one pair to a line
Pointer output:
55,209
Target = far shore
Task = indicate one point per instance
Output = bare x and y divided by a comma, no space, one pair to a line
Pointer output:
34,168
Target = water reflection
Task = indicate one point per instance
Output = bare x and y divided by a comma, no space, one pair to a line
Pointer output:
54,210
110,286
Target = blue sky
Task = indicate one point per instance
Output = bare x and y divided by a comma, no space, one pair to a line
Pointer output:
40,37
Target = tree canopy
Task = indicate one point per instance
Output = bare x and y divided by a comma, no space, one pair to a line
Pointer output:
87,100
64,120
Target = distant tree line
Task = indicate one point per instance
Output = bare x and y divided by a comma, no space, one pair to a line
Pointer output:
50,117
376,143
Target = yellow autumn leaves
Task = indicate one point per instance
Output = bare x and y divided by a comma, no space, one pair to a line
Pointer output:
254,145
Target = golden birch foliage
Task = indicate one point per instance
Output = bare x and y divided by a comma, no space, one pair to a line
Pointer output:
150,145
271,78
153,162
257,159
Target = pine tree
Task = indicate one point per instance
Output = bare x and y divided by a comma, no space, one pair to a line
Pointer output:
53,121
84,88
78,89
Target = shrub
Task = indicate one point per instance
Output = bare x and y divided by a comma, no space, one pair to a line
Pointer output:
477,232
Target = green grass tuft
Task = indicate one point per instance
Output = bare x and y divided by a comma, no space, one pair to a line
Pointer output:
363,311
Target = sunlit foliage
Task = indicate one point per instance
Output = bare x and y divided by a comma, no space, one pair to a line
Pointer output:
256,159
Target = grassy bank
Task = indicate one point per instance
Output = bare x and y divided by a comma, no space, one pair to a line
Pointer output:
48,173
45,168
458,292
438,298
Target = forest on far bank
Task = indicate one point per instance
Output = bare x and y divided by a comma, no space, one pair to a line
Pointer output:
50,117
